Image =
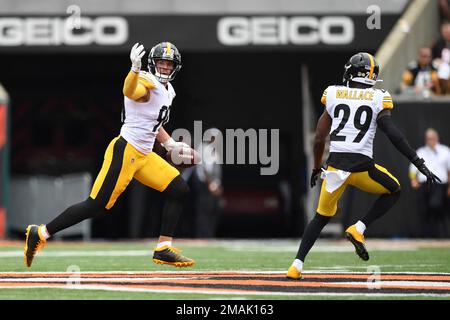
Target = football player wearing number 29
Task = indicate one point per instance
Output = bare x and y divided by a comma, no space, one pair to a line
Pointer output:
353,111
147,100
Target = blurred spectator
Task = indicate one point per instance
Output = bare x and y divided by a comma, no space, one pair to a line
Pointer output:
421,77
205,181
444,77
444,9
441,49
433,203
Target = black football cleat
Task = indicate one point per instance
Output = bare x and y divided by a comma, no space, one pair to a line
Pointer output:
33,243
357,240
171,256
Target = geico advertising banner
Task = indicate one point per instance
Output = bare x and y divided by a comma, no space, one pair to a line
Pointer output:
194,32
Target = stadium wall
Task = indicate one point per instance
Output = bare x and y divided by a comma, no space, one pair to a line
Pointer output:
412,117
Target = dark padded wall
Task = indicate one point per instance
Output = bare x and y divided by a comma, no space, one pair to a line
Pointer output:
412,118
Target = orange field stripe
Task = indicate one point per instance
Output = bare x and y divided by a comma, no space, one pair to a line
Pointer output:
32,284
150,275
300,283
382,276
136,275
206,283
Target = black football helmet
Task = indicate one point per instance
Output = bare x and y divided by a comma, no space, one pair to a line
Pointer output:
164,51
361,68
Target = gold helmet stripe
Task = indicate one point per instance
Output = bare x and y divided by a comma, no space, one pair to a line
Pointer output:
169,48
372,66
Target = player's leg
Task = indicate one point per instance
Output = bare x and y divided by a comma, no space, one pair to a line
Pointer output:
376,180
160,175
326,209
115,174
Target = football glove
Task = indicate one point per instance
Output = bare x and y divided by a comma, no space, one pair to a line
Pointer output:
170,144
137,52
431,177
314,176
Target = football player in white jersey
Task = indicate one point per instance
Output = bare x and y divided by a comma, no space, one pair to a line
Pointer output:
147,100
353,111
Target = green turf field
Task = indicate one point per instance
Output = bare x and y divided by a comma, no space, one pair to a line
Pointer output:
233,255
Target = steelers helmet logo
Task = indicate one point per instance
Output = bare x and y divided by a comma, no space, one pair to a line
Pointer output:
167,54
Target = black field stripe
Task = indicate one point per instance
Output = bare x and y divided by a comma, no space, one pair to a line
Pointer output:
384,179
112,176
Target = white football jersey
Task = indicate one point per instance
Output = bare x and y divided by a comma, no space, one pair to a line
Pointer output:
354,114
143,119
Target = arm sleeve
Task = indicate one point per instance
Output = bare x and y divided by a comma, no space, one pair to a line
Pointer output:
136,87
397,138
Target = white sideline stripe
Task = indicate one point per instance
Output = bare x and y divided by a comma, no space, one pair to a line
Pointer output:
316,249
269,293
135,253
243,272
77,278
411,284
348,267
109,253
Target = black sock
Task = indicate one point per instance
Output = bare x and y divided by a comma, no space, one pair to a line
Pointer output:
176,192
75,214
380,207
311,234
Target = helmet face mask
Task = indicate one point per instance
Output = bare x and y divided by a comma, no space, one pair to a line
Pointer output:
361,68
164,51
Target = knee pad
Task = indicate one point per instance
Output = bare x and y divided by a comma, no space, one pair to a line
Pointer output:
321,219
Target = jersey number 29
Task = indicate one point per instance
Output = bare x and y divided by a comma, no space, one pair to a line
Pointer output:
362,127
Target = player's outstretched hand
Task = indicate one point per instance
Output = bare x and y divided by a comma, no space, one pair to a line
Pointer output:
314,176
172,144
136,54
432,179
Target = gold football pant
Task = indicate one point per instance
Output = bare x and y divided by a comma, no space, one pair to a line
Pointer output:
377,180
122,163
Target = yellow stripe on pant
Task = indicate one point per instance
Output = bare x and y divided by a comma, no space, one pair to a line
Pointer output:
377,180
122,163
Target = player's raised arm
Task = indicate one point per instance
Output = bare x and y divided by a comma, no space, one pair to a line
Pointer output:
397,138
322,131
135,87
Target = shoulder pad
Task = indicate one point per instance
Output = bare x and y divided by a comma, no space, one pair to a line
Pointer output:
147,79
